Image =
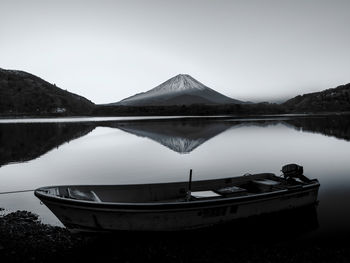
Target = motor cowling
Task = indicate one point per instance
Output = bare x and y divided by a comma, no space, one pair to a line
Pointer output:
294,171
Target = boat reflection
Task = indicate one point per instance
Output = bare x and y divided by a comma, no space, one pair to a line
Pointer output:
235,240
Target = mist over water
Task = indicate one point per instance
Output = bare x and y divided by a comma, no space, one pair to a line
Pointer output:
33,155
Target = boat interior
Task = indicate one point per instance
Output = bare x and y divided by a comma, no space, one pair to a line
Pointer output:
177,191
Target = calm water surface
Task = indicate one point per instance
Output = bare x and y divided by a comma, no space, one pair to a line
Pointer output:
123,151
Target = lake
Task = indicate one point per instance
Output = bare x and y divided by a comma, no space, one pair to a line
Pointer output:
44,152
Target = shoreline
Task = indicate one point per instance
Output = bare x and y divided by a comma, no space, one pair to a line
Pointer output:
42,119
23,238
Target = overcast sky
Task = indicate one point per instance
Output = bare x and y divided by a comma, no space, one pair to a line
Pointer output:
249,50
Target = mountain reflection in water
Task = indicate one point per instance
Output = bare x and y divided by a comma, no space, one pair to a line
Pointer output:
27,141
179,136
183,136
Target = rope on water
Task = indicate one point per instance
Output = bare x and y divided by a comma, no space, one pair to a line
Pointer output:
15,192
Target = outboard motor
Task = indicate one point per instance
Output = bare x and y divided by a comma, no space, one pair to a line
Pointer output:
294,171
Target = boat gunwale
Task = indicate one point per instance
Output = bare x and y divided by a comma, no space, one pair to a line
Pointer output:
255,176
172,205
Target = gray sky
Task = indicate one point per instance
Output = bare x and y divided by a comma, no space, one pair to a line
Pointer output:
249,50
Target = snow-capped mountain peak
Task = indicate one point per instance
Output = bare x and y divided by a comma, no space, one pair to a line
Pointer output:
178,83
179,90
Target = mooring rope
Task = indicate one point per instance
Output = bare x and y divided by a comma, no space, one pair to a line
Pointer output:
14,192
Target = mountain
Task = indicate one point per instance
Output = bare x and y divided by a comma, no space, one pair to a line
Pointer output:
22,93
179,90
330,100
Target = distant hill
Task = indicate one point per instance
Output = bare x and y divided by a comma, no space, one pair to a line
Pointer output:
179,90
22,93
330,100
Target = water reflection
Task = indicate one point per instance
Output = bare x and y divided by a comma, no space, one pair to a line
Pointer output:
149,151
22,142
335,126
200,245
179,136
183,136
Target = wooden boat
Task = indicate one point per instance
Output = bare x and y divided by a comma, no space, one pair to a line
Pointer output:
179,205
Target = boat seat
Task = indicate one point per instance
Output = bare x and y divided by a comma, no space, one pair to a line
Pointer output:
80,195
199,195
266,185
231,191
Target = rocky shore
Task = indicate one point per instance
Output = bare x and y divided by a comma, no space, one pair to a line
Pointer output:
23,238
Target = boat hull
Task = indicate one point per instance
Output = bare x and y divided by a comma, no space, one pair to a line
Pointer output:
172,217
